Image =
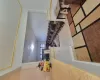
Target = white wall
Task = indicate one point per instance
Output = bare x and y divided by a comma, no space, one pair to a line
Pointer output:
30,39
65,53
9,18
51,12
35,5
62,54
65,36
20,42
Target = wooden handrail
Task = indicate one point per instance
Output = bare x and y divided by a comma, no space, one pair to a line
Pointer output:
61,71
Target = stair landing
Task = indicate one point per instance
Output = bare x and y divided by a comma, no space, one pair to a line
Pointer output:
31,73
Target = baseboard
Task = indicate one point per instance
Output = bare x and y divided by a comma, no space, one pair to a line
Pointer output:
9,73
29,65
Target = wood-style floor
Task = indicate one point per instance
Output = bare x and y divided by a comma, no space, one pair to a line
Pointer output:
27,74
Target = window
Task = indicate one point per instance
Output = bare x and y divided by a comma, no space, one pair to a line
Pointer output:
42,46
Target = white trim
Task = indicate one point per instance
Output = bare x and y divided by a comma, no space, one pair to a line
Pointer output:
91,63
72,53
29,65
38,11
57,20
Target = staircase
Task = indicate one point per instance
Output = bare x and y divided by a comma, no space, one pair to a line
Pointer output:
61,71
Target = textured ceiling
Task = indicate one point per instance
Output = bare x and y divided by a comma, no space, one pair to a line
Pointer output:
39,24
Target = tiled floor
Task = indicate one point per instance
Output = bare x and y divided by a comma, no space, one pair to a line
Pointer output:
27,74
